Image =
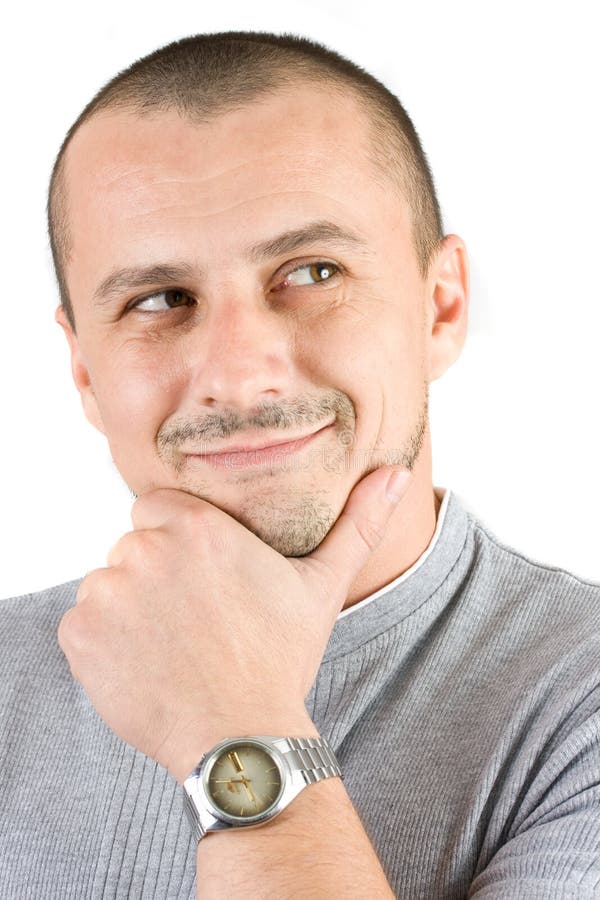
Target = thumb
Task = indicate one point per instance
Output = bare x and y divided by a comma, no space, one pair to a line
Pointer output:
361,524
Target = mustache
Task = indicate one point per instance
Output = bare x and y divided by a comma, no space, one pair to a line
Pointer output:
284,416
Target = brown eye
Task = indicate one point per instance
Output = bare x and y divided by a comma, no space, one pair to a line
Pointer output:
173,298
313,273
322,271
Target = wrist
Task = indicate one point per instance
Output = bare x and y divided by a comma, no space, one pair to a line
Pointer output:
190,747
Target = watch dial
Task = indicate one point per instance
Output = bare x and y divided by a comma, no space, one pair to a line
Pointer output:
244,781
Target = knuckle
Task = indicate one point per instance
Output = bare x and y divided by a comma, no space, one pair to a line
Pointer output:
136,548
145,506
72,630
187,518
194,521
89,585
137,508
139,545
98,587
155,504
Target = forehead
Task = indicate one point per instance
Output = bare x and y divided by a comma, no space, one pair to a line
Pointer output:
159,185
307,135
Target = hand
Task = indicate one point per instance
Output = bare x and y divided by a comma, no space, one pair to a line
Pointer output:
194,612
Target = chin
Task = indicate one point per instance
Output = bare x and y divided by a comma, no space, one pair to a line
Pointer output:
292,530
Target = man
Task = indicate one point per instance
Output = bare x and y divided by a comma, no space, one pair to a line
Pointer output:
250,255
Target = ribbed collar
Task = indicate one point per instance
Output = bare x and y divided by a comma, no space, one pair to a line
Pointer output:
396,600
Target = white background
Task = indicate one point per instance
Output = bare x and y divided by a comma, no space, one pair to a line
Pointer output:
505,99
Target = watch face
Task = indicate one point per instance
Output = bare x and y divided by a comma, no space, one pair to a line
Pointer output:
244,780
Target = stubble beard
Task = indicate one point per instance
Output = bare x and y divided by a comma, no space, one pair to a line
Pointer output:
294,523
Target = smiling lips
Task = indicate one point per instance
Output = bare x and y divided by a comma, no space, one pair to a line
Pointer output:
257,455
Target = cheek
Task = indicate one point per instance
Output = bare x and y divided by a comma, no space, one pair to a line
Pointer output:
136,393
369,343
378,359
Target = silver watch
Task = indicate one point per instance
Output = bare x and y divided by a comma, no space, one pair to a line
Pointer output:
246,781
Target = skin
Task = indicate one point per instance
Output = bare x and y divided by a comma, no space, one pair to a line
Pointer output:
360,348
208,572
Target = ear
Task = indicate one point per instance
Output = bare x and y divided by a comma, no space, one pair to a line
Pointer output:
80,373
447,305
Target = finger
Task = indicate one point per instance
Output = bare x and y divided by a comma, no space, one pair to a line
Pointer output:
90,583
154,508
115,554
360,527
119,551
137,547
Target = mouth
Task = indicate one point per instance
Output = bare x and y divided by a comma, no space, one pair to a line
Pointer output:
271,455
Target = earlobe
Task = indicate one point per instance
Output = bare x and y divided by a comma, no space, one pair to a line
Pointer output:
449,302
80,374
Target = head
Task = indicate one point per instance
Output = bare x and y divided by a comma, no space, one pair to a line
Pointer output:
248,245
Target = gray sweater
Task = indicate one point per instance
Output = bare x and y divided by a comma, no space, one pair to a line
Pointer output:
462,700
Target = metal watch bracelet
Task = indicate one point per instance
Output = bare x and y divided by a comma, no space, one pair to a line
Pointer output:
312,757
308,759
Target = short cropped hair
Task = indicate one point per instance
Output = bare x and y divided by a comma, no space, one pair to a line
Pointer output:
207,75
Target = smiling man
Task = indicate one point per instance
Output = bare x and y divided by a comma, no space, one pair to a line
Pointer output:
289,679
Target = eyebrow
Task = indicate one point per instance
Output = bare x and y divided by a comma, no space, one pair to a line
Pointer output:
320,231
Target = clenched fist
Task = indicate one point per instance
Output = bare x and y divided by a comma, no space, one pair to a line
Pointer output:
197,630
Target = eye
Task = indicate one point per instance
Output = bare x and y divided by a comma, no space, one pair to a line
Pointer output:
173,297
311,273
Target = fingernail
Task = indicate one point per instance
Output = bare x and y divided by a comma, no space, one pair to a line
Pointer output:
396,485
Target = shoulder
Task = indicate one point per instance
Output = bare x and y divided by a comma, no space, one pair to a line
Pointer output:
543,613
508,565
31,619
57,597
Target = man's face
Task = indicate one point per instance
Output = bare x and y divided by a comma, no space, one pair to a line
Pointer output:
236,347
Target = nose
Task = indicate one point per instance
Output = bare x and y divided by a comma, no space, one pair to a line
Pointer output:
244,355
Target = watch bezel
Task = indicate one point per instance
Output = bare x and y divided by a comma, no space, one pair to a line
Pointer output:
283,797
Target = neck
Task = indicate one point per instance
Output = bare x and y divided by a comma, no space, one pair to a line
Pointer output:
408,535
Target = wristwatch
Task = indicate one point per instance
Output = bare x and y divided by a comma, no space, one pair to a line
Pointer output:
246,781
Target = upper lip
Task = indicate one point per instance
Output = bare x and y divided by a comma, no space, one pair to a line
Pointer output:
261,444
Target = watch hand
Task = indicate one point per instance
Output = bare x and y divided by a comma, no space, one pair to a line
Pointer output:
235,760
228,781
245,782
242,780
248,791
